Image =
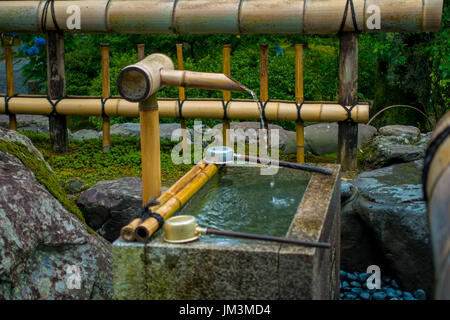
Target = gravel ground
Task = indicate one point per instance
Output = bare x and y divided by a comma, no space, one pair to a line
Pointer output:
353,287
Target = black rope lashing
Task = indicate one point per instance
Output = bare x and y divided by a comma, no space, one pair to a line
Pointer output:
225,107
103,101
263,109
429,155
7,98
344,17
299,109
349,111
48,3
146,213
180,108
54,104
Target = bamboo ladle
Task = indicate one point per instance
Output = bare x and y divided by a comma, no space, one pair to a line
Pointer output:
184,228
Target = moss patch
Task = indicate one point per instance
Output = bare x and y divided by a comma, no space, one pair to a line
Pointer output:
43,175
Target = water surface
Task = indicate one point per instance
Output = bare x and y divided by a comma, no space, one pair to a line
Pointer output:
241,199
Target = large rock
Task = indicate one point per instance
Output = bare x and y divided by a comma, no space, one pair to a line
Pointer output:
385,150
322,138
400,130
130,129
35,123
391,207
358,247
46,252
85,134
110,205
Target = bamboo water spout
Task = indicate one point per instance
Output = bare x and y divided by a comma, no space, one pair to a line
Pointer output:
139,81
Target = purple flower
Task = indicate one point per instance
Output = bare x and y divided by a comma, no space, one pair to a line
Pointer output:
32,51
23,48
40,42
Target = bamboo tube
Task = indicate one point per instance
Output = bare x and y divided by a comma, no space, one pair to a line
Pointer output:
128,232
182,96
141,51
146,229
150,149
299,127
222,16
226,69
200,80
106,92
202,108
10,83
264,90
436,174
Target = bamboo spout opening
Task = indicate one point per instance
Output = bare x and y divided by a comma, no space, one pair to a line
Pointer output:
142,234
133,84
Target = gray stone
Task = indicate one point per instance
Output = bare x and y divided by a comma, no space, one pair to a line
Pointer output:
130,129
43,247
85,134
35,123
110,205
248,131
400,130
322,138
18,64
387,150
391,207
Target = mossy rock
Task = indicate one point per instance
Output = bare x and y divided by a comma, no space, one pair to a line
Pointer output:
43,174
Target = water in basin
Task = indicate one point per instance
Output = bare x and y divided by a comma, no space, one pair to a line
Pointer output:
241,199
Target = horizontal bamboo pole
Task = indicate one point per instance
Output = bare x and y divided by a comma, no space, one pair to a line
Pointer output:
147,228
128,232
202,108
222,16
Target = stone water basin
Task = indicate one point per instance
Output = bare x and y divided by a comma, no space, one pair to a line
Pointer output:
290,203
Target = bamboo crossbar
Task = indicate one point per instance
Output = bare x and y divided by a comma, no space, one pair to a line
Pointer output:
275,110
222,16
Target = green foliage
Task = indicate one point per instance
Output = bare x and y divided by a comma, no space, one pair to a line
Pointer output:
87,161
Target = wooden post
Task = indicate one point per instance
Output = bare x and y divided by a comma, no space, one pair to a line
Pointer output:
226,69
299,128
56,83
264,87
141,51
106,92
10,83
182,96
348,95
150,148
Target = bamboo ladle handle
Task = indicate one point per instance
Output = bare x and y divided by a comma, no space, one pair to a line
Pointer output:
267,238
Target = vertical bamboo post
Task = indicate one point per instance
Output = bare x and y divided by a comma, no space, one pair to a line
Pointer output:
182,96
150,148
141,51
106,92
299,128
264,86
348,95
56,83
10,83
226,69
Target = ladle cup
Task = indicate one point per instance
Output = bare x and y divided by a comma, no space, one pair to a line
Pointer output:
184,228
